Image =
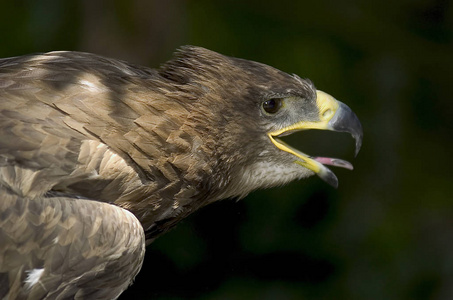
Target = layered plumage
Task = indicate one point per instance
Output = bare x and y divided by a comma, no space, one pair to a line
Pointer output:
98,155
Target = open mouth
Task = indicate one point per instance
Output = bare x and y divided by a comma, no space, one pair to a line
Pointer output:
334,115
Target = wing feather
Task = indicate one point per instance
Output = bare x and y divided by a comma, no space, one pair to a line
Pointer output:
73,244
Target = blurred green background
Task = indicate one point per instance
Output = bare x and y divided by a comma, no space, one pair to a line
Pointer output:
387,232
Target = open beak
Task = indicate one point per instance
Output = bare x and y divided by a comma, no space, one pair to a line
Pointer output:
333,115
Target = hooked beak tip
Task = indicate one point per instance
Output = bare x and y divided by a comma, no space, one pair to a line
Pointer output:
345,120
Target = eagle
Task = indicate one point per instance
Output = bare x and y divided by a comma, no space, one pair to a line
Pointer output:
99,157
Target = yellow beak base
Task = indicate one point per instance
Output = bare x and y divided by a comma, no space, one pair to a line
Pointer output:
333,115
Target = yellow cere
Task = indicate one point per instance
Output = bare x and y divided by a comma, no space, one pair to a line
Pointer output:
327,106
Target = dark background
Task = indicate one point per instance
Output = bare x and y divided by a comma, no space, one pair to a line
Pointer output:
387,231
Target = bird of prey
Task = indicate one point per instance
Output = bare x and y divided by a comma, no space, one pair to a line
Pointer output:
98,157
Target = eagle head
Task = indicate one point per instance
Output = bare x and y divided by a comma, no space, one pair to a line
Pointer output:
239,111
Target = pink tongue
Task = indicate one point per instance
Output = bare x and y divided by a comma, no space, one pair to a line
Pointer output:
334,162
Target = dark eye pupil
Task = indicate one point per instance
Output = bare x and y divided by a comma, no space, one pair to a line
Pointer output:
272,106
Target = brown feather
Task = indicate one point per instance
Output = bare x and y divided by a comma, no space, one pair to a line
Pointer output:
85,139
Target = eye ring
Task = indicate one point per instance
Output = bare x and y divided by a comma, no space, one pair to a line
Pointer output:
273,105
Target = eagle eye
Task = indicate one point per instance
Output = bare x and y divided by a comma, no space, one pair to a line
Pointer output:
273,105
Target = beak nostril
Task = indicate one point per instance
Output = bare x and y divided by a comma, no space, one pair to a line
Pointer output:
327,113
